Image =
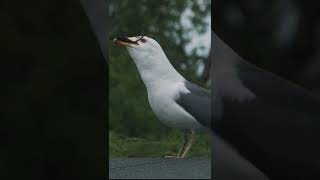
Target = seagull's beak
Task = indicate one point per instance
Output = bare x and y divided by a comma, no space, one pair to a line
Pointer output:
123,41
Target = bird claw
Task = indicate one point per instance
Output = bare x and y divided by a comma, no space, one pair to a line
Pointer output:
177,157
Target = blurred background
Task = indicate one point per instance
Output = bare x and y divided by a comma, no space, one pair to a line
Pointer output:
282,36
182,28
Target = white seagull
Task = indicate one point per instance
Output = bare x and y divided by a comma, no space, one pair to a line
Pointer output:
175,101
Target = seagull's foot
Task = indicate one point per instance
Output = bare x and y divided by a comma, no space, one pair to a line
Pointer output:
177,157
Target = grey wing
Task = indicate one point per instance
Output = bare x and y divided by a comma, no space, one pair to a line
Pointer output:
197,103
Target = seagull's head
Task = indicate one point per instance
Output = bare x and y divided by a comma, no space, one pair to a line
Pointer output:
149,57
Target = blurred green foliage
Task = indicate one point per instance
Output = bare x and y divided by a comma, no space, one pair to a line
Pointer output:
134,129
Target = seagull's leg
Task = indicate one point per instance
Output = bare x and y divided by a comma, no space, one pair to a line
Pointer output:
183,146
189,145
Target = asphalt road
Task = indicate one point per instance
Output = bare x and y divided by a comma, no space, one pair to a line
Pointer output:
160,168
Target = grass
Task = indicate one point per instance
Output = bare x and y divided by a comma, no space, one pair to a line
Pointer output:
122,146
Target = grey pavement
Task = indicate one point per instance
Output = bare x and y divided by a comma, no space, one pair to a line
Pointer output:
160,168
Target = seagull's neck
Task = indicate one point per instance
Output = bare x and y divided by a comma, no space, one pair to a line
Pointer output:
156,70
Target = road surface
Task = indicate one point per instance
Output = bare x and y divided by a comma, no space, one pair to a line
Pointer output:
160,168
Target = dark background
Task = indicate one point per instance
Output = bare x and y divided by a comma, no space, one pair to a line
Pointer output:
53,93
282,36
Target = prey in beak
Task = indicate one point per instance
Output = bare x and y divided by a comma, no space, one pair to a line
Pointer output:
125,41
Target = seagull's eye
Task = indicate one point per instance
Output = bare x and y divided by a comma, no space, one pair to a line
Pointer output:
143,40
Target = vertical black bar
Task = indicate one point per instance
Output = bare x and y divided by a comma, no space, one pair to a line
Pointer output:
97,12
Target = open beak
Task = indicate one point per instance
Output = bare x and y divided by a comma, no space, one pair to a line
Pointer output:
123,41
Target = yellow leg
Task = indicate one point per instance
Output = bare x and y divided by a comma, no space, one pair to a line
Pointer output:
183,146
183,149
189,145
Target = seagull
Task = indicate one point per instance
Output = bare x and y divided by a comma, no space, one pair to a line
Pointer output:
176,102
271,122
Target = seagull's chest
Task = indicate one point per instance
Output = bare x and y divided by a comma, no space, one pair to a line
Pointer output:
163,104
